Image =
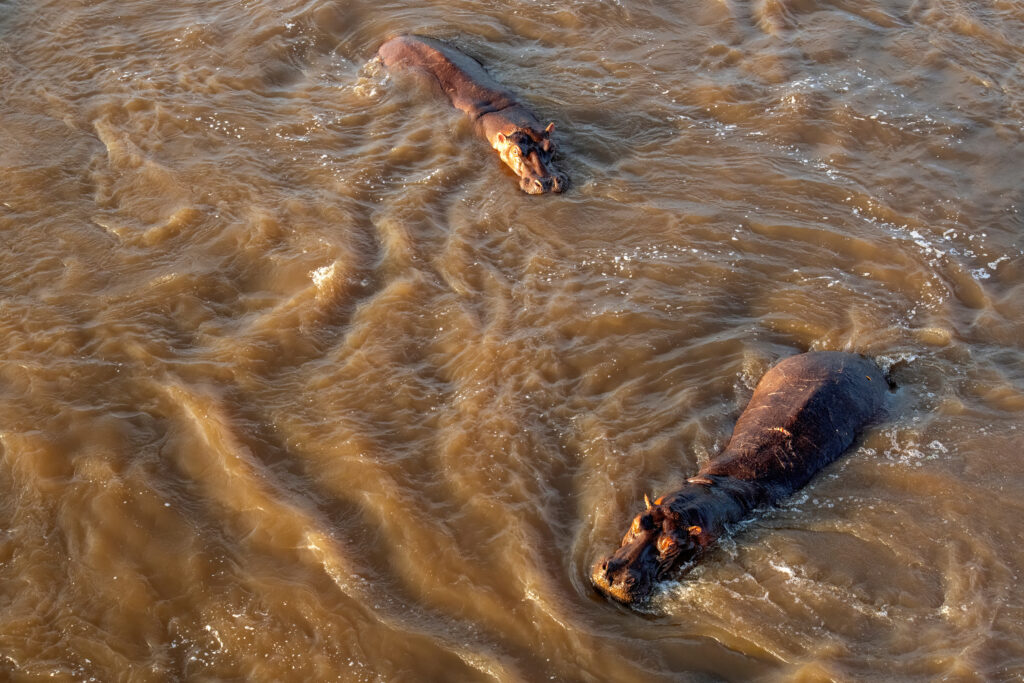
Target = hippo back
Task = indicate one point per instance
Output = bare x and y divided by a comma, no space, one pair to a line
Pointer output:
463,79
804,413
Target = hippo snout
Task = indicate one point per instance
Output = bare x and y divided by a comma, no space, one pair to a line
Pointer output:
536,185
621,580
542,184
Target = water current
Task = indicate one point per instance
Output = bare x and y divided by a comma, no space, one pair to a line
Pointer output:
296,384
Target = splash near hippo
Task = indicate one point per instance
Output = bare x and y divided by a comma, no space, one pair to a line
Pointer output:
805,412
520,139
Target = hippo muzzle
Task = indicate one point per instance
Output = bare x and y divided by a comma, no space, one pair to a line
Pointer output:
530,153
555,182
627,575
657,542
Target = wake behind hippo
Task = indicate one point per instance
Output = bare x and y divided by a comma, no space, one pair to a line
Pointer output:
805,412
522,142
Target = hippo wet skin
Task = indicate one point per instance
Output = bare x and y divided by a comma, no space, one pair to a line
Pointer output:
520,139
805,412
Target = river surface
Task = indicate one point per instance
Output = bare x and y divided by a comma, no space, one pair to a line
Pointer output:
296,384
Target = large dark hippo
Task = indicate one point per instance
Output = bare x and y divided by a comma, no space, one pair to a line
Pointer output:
521,140
805,412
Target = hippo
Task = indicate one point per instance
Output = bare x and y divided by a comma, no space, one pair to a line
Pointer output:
805,412
520,139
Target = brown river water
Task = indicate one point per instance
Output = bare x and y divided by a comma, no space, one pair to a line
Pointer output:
297,385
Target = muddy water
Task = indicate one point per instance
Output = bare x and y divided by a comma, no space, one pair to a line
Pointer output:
296,384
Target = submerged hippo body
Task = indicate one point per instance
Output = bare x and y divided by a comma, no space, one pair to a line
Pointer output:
519,137
805,412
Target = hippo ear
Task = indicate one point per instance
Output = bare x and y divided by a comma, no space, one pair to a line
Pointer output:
647,501
500,137
551,127
698,535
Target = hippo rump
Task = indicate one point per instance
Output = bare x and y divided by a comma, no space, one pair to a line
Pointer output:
520,139
805,412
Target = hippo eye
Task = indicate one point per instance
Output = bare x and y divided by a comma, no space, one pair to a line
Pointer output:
515,151
666,544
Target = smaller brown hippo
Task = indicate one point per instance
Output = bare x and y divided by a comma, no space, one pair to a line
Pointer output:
519,137
805,412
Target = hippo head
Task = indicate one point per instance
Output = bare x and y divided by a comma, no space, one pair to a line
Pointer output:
658,540
529,154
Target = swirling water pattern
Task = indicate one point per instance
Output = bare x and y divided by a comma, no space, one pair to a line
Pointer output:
297,385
